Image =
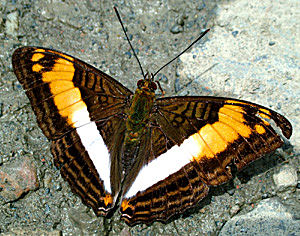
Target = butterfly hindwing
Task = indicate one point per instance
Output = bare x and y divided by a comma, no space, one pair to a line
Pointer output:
79,108
200,138
87,169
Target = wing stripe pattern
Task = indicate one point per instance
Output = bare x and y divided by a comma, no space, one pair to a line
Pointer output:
64,92
97,151
181,190
211,137
68,100
171,161
75,165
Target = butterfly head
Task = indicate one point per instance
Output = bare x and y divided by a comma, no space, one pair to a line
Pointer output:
147,84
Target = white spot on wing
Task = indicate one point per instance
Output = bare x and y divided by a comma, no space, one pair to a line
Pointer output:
166,164
94,144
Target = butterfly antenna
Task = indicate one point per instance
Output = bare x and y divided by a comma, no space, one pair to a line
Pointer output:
119,18
201,36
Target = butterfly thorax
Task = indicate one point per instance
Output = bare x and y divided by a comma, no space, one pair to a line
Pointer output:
140,109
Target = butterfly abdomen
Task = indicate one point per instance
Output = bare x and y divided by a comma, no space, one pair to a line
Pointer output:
139,113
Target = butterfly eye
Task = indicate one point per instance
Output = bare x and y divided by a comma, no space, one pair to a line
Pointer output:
153,86
140,83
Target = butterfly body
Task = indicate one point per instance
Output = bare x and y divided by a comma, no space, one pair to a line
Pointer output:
140,109
156,157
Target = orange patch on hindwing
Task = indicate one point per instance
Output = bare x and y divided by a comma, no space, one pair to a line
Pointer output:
108,200
125,204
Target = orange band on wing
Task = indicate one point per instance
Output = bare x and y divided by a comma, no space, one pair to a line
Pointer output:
66,96
214,138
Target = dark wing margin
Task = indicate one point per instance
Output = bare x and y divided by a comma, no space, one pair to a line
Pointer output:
75,103
222,131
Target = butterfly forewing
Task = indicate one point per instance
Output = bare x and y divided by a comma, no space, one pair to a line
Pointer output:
60,86
199,138
79,108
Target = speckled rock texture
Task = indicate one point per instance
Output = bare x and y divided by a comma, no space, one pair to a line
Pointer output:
270,217
251,53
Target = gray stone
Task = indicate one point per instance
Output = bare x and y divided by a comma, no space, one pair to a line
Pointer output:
17,178
176,29
270,217
286,178
12,23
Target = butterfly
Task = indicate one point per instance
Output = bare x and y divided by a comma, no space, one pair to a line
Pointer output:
151,157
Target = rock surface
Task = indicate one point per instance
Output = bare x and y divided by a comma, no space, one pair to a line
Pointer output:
286,178
17,178
270,217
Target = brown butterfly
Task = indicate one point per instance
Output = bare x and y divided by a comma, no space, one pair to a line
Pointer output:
153,157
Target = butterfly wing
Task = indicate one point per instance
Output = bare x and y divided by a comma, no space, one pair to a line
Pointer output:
195,141
79,109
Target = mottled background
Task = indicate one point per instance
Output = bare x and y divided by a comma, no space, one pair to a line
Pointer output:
251,53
